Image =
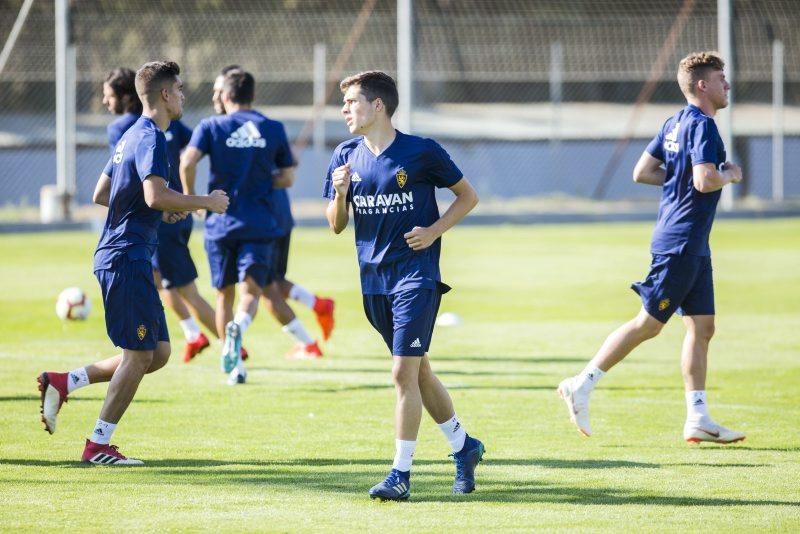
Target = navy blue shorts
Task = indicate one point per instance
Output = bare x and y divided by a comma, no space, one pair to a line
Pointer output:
172,258
281,257
232,260
677,283
134,314
405,319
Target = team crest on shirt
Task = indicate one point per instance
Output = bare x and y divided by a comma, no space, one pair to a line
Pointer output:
402,177
663,304
141,332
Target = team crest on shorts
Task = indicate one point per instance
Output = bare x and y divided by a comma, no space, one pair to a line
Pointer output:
663,304
141,332
402,177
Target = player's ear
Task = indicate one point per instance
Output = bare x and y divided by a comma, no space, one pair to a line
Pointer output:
379,104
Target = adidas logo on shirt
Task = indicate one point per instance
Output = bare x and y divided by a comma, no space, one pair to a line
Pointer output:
246,136
416,344
355,178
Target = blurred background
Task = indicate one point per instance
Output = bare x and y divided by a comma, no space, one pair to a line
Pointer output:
542,103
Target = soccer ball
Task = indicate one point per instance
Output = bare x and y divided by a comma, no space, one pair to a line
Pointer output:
73,304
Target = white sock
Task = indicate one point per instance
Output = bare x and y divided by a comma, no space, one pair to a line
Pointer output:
102,432
696,407
191,330
77,379
302,295
404,454
243,319
454,433
590,376
296,329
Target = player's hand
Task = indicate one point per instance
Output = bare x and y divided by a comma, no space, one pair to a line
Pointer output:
218,201
171,217
420,238
733,171
341,179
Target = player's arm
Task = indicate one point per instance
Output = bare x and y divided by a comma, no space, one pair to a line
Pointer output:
283,178
188,169
649,170
337,210
707,178
420,238
102,191
160,197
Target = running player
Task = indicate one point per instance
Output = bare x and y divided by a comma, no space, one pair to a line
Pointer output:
686,159
250,156
390,179
134,187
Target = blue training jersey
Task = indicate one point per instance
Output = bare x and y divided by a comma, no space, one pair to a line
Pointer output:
685,215
118,127
131,226
177,136
392,193
245,149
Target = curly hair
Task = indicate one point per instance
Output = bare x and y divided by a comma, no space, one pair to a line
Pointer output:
695,67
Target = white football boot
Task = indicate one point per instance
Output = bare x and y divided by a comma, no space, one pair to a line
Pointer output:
695,432
577,400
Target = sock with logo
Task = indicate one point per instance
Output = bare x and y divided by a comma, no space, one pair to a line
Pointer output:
191,330
590,376
103,432
243,319
696,407
77,379
404,454
303,296
296,329
454,433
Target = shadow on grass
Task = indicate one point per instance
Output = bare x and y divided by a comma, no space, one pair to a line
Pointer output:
484,359
490,387
37,399
385,371
427,487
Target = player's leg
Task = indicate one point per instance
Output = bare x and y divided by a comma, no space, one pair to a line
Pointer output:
196,341
322,307
138,325
198,306
661,293
467,451
698,310
306,347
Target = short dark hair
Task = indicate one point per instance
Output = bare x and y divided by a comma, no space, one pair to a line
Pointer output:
151,76
240,86
123,82
225,70
375,84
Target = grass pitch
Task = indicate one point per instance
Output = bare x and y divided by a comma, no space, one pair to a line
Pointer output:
298,446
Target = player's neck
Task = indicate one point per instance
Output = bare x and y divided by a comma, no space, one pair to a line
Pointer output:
379,137
233,108
158,116
704,105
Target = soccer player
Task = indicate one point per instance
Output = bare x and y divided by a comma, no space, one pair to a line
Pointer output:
174,269
390,179
134,187
276,293
687,159
250,156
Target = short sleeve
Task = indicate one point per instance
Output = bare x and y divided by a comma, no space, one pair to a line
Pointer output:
109,166
705,143
656,147
337,160
201,138
442,172
114,135
151,158
283,154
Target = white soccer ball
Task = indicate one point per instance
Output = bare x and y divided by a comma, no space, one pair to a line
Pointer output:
449,319
73,304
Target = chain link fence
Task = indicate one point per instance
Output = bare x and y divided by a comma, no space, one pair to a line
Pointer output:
532,98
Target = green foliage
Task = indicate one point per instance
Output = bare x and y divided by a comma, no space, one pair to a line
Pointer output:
298,447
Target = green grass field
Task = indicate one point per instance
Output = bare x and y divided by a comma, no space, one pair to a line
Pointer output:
298,446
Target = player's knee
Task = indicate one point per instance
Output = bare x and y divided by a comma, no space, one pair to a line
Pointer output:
704,330
404,376
160,357
648,327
